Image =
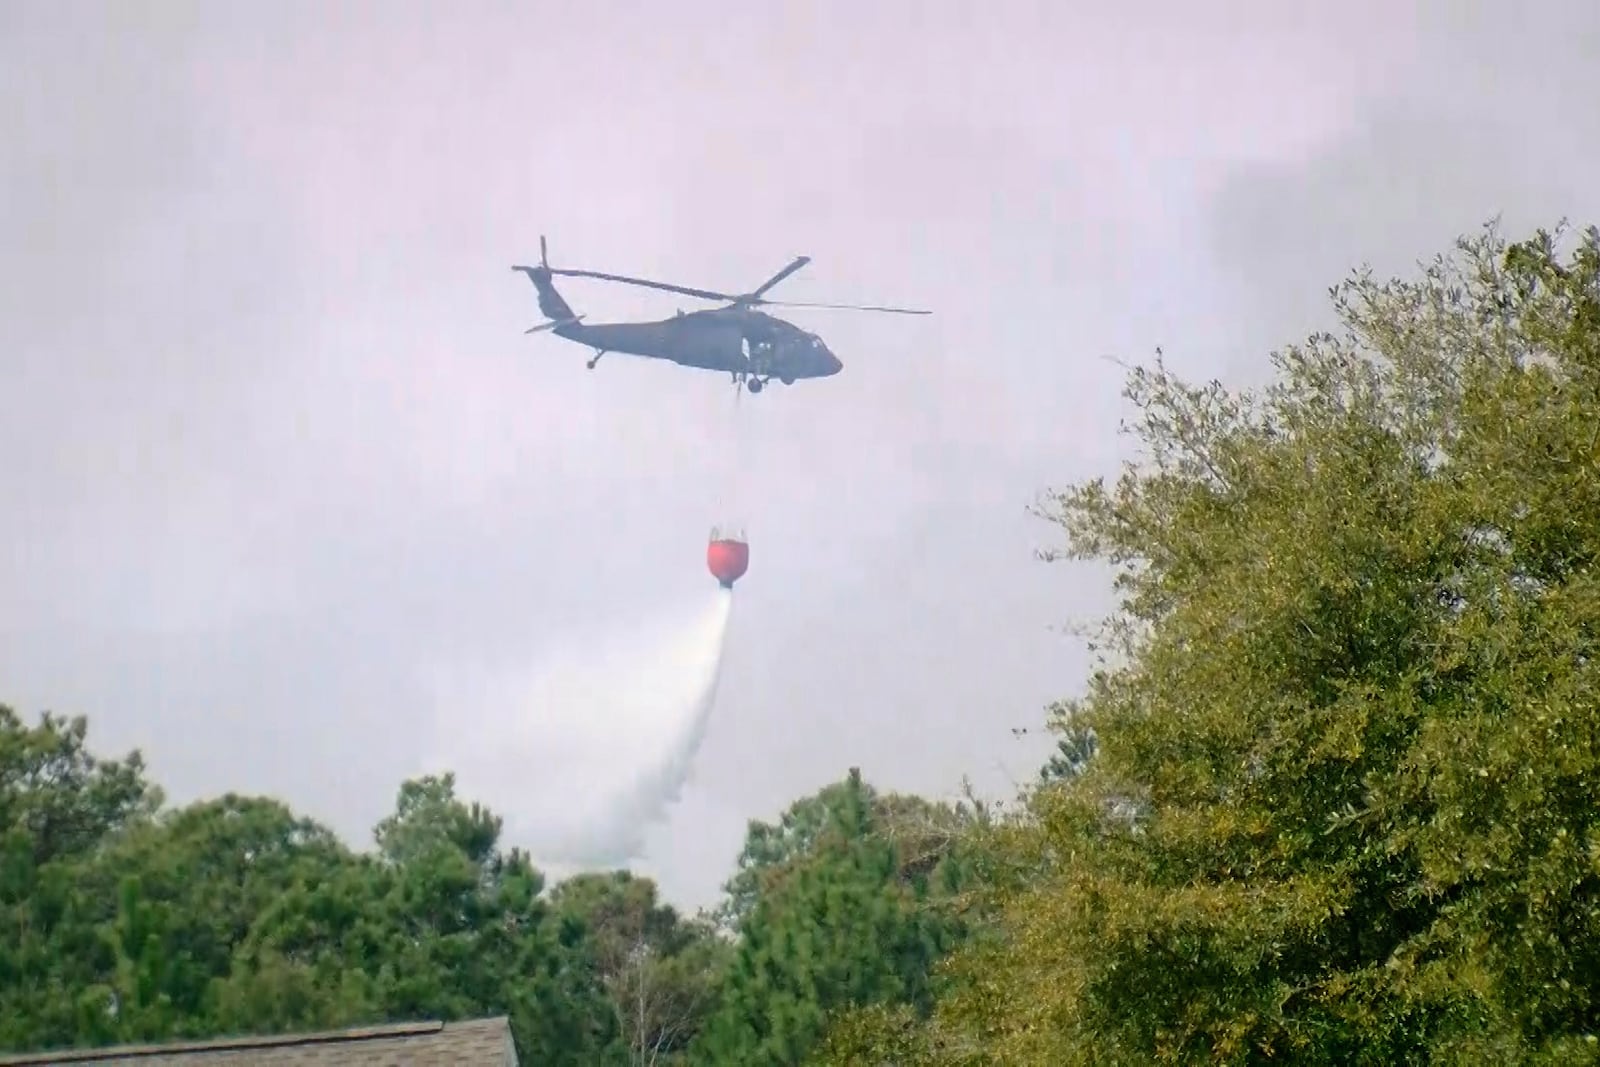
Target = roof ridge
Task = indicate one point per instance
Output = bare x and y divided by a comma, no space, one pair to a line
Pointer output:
222,1044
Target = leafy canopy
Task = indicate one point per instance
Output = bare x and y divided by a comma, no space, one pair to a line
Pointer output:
1340,805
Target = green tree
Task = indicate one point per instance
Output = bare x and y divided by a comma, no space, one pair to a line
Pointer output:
659,970
123,922
770,849
839,919
925,836
428,817
59,807
1342,807
439,924
1075,747
190,884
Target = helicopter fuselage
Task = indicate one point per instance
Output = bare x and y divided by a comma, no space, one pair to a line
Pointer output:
746,344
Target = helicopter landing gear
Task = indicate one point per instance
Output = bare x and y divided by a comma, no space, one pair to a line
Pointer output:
756,385
590,364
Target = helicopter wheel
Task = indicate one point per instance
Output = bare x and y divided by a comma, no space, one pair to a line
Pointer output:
756,385
786,381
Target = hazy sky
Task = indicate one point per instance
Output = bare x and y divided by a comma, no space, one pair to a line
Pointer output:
278,451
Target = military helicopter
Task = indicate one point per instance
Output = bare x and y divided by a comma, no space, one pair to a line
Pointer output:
751,346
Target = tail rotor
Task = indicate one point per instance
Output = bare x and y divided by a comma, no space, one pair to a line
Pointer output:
556,310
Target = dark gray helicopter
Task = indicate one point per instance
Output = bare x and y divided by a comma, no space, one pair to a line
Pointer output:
751,346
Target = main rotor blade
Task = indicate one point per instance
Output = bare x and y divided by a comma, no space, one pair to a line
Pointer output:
689,290
845,307
799,261
703,294
746,299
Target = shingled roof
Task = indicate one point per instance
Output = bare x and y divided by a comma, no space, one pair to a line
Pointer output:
469,1043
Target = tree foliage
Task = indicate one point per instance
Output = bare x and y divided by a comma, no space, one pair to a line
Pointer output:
840,917
125,921
658,969
1341,807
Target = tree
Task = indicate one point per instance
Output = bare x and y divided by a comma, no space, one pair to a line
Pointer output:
926,837
127,922
124,922
772,848
179,891
428,817
1075,747
839,919
1341,808
59,805
439,924
660,971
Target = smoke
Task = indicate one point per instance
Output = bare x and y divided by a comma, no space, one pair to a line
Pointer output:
585,750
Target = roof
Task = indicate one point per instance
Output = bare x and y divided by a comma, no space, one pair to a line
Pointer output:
469,1043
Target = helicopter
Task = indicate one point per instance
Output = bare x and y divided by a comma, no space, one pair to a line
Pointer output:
749,345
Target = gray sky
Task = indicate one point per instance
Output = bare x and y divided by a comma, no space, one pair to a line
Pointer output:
279,452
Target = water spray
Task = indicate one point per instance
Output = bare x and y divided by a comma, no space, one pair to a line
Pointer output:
583,752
